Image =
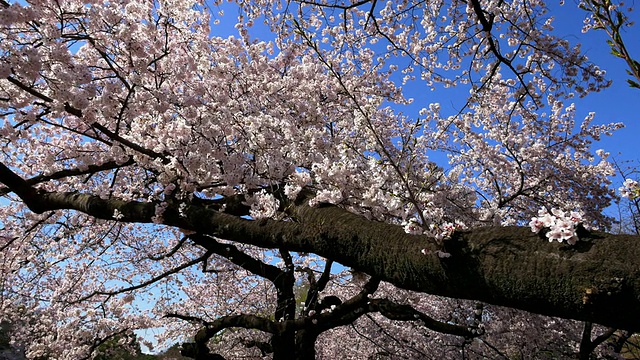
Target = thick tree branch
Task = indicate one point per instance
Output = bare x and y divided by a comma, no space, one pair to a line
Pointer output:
199,349
19,186
341,314
507,266
316,287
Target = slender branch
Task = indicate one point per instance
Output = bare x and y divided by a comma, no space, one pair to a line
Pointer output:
487,26
326,276
189,318
286,301
153,280
612,20
315,287
335,6
246,321
78,113
394,311
90,169
587,345
603,337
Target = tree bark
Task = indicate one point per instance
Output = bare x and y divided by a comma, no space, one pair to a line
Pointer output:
306,344
597,280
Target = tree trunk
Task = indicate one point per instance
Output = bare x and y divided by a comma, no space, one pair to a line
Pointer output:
306,345
284,346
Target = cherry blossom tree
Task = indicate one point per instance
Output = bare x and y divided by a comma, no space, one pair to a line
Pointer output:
155,174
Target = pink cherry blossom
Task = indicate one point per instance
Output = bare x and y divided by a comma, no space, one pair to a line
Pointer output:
151,110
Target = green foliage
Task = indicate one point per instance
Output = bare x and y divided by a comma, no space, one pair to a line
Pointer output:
612,19
633,84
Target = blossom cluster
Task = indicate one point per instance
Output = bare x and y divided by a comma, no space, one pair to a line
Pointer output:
150,107
560,225
263,206
438,231
630,189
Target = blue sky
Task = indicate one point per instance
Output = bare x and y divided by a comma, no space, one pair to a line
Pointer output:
614,104
619,102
